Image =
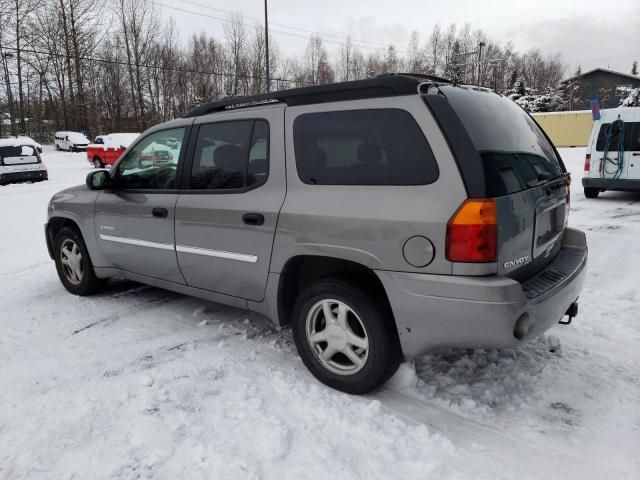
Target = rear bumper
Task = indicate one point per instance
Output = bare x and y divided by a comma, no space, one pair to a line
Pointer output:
620,184
24,176
441,311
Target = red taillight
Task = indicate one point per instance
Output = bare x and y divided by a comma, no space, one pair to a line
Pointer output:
587,162
472,232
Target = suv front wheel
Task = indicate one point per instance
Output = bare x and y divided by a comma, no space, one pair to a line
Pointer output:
345,335
73,264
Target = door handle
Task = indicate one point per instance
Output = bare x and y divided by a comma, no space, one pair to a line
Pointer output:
636,154
160,212
253,218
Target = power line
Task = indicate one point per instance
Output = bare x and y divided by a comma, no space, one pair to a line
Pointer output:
281,32
150,66
342,39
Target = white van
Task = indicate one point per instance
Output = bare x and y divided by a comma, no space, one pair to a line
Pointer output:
621,169
71,141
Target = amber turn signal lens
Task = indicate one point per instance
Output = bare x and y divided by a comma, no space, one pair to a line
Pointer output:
472,232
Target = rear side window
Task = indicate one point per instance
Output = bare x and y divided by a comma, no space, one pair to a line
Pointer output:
631,137
515,153
231,155
362,147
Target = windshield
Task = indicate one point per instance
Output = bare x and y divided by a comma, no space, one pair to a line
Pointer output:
515,153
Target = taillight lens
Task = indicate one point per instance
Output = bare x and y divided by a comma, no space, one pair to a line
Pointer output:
472,232
587,162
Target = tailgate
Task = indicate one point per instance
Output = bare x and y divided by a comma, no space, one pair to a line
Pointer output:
531,226
506,156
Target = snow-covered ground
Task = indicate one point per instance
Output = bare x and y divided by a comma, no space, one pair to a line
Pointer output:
141,383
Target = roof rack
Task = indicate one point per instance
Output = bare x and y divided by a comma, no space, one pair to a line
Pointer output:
421,76
381,86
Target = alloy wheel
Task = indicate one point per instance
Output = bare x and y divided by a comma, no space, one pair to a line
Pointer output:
337,337
71,260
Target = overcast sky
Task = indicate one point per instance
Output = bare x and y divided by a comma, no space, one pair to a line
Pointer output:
590,33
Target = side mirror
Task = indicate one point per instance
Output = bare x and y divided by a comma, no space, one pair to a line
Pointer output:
99,180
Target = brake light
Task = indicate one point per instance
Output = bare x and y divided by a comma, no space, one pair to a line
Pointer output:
587,162
472,232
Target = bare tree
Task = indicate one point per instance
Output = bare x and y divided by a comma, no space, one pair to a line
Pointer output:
139,23
236,43
345,63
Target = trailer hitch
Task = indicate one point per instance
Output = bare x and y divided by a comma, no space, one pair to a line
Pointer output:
571,312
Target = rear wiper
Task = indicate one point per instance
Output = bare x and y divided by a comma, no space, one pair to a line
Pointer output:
543,177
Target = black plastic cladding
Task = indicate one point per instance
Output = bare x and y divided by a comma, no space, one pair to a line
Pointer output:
460,143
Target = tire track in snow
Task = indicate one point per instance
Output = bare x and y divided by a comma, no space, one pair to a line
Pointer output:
148,303
490,444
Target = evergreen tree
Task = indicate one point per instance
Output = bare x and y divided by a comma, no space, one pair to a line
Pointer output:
520,87
578,71
453,70
634,68
514,77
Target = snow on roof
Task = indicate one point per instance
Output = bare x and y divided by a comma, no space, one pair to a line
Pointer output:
606,70
14,142
73,135
24,140
116,140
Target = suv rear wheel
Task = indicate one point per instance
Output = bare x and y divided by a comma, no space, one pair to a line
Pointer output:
345,336
590,192
73,264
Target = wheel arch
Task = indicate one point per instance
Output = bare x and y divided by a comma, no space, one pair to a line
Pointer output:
54,226
301,270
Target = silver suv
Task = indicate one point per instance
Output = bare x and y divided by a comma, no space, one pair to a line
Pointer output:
380,218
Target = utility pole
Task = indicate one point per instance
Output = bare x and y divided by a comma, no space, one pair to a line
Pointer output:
480,45
266,43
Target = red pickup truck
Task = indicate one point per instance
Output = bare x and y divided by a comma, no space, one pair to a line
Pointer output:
106,149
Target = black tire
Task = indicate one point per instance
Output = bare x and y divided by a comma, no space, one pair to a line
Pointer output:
89,283
384,353
98,163
58,147
591,192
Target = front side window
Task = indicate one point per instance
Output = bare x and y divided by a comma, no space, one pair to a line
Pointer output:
231,155
362,147
152,163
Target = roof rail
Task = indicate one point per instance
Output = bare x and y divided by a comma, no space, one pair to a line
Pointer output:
381,86
421,76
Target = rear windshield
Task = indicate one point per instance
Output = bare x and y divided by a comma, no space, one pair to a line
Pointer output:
17,151
631,137
515,153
